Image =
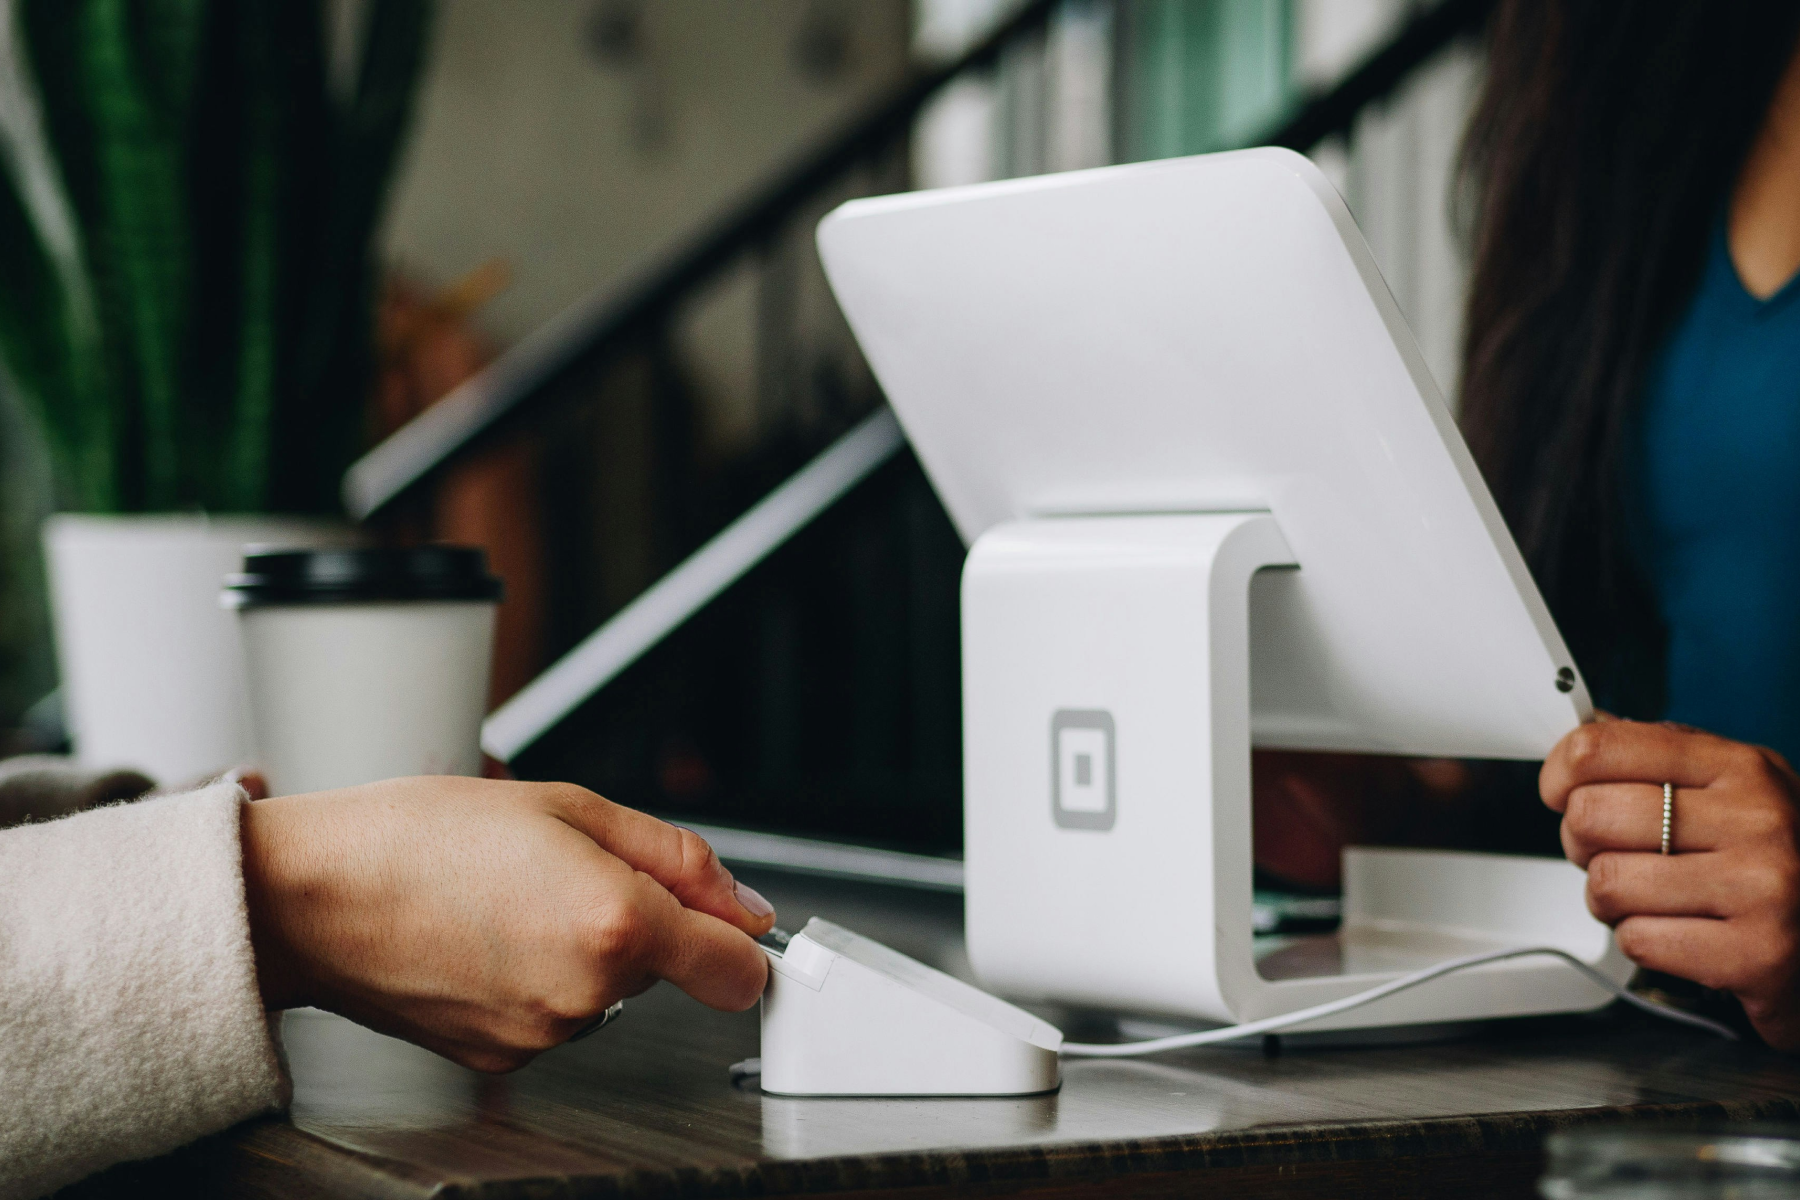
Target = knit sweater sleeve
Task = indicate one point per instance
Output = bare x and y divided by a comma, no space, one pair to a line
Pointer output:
130,1021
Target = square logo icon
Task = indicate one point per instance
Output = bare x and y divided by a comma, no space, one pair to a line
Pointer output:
1083,788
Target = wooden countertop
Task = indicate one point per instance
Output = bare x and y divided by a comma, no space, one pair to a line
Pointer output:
645,1109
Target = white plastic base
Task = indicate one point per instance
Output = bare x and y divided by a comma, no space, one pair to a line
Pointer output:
1405,910
1107,729
845,1016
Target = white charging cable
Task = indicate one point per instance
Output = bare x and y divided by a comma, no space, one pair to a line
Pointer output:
1287,1020
1209,1037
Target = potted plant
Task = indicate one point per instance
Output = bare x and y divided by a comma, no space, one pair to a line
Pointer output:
186,287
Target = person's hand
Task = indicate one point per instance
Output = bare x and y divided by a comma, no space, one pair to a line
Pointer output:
1723,909
488,920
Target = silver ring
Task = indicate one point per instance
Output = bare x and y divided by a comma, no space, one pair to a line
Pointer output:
1668,815
600,1022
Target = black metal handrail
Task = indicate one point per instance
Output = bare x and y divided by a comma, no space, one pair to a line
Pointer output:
522,382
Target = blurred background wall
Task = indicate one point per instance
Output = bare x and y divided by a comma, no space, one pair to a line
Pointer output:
573,138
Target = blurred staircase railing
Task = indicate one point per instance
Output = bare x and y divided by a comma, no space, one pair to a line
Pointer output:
521,382
526,383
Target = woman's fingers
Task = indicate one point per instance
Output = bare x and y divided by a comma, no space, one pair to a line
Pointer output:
1751,958
679,859
1635,752
1628,816
1681,885
1702,949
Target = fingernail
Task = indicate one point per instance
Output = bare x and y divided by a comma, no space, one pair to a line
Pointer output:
752,900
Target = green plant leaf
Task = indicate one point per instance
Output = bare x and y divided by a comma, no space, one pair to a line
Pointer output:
142,210
44,361
225,210
333,347
50,340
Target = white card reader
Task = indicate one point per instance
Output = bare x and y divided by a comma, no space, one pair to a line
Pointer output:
846,1016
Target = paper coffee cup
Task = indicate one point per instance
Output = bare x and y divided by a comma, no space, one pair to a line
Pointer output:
365,664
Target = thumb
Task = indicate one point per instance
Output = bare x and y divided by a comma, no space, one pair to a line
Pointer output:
679,859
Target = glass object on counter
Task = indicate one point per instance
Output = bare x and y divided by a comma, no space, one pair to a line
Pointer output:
1724,1162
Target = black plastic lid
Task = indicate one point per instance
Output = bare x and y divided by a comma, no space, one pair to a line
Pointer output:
361,576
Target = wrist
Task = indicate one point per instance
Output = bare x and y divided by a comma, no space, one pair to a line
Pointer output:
268,856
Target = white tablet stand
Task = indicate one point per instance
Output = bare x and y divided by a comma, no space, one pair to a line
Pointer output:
1213,498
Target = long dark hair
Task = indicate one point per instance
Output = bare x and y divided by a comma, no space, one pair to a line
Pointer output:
1606,142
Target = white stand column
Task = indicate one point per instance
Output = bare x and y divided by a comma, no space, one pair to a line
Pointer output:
1106,710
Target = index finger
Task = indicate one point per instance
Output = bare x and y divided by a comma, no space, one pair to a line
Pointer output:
679,859
1634,752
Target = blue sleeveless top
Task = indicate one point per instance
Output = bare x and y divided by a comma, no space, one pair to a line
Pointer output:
1718,484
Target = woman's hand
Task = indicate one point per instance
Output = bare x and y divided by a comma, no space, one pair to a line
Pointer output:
1723,909
488,920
